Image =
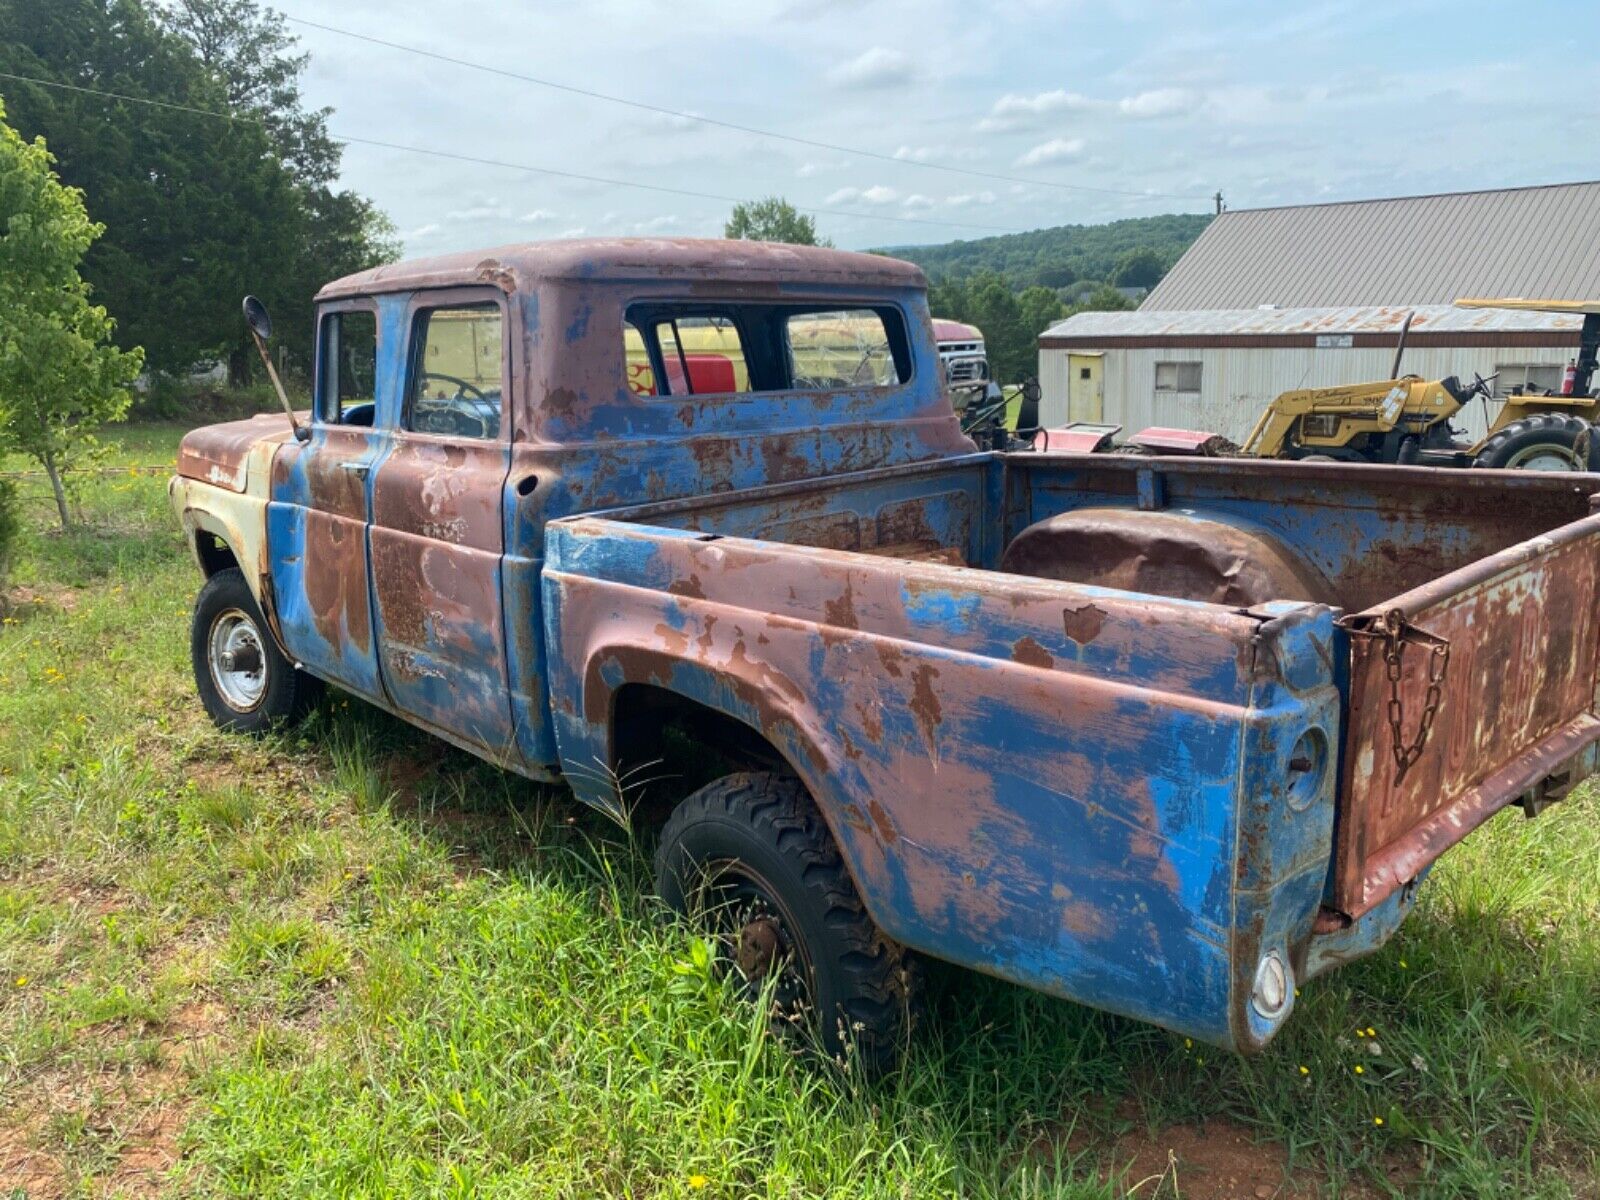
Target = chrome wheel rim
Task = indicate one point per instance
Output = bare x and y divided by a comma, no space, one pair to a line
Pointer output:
1545,457
237,660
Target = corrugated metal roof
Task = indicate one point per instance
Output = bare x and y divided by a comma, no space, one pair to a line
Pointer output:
1538,241
1290,321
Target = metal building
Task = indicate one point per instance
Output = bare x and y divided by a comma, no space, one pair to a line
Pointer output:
1268,300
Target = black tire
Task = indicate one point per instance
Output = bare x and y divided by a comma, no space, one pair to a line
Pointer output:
749,857
1561,433
285,694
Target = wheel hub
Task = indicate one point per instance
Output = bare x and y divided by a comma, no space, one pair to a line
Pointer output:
234,654
759,946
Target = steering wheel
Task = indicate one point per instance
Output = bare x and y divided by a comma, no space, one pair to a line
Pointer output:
464,422
1481,386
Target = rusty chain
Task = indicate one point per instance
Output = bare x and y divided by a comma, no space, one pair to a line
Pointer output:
1395,633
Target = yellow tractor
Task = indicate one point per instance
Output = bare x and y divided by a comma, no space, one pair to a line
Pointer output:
1407,419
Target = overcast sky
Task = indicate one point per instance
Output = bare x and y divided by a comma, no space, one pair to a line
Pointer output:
1272,103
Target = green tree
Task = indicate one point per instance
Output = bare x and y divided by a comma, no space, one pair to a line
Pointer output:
772,219
1143,267
251,56
198,209
1041,308
60,377
1104,298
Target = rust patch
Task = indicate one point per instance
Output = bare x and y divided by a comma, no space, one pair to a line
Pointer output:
880,819
1030,653
924,704
890,656
674,641
498,274
1083,624
841,610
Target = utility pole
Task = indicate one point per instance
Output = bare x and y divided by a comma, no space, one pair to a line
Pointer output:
1218,199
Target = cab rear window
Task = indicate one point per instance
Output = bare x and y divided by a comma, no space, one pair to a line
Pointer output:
701,349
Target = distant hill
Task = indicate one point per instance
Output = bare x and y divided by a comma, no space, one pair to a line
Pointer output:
1066,254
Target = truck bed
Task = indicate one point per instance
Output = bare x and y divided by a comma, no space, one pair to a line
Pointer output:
1124,797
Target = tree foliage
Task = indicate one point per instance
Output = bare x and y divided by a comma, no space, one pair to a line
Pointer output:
1141,268
60,376
198,209
1064,255
772,219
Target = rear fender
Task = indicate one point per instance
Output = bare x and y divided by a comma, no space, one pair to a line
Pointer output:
752,694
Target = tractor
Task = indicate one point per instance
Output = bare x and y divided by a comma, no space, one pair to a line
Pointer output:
1407,419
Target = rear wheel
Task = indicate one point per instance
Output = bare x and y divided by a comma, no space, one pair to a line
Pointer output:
749,858
245,682
1542,442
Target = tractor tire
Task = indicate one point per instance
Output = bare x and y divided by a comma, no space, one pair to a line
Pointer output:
1542,442
749,858
245,682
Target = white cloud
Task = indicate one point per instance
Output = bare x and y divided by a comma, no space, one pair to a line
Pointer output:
576,231
1015,111
875,67
923,154
675,121
1053,151
481,211
1040,103
966,198
1162,102
421,231
918,200
537,215
876,194
656,224
807,169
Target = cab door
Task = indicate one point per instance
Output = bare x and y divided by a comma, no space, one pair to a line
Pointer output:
1085,388
437,534
317,517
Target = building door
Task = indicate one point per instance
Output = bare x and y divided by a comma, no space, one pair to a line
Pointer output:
1085,388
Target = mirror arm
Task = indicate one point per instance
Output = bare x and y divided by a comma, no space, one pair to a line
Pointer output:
301,433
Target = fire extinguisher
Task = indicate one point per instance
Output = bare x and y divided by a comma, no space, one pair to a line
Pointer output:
1569,377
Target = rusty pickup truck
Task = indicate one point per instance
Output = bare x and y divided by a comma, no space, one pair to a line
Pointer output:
1168,737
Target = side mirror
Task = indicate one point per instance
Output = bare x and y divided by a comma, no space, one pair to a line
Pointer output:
255,316
1031,391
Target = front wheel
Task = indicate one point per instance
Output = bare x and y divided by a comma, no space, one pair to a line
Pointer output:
749,858
1542,442
245,682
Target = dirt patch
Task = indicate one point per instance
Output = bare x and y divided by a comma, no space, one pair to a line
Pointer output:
25,1170
24,601
1215,1161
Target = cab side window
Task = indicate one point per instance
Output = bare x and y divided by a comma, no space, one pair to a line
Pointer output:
347,385
457,371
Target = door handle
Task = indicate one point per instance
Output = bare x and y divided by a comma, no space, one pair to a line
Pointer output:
362,469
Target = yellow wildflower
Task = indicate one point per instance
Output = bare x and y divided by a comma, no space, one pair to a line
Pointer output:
22,981
698,1181
1360,1070
1377,1120
1305,1070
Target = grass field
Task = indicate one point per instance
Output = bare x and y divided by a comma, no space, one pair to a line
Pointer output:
347,960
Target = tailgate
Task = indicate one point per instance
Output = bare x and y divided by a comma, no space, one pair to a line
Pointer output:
1493,667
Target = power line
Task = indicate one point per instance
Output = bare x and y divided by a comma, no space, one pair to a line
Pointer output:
750,129
348,139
